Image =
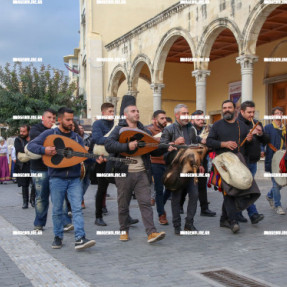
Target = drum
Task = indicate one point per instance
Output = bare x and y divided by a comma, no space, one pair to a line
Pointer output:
233,171
83,171
277,157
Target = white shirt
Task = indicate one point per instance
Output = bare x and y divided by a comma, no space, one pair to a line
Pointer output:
4,149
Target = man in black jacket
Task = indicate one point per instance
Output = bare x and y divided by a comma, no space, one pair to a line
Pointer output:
41,184
198,125
246,116
100,128
182,132
226,135
21,167
138,177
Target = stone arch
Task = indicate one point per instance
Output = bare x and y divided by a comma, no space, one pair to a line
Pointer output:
254,24
135,72
210,34
163,49
115,80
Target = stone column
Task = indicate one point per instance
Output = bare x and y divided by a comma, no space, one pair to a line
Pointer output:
157,95
200,77
133,93
246,62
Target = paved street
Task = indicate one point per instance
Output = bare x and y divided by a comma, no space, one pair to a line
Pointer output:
175,261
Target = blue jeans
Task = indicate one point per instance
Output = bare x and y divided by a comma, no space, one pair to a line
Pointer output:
73,187
42,197
85,183
252,208
160,196
275,193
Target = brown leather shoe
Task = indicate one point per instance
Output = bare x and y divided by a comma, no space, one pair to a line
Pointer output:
156,236
162,220
124,236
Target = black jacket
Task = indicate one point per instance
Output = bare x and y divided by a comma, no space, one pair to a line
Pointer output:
254,147
36,130
113,147
174,131
21,167
222,131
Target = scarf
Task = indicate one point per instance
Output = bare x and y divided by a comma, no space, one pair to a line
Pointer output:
283,129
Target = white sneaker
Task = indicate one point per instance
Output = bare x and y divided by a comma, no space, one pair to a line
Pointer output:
271,202
68,227
279,210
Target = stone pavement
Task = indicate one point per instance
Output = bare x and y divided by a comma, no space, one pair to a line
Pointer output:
174,261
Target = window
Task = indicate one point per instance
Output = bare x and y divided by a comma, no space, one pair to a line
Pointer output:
222,5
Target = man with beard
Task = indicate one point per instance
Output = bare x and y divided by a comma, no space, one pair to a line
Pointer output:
246,115
198,124
137,176
182,133
64,181
226,135
41,184
158,166
21,167
100,128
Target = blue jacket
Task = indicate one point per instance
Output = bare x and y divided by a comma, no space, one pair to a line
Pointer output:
36,146
100,128
275,139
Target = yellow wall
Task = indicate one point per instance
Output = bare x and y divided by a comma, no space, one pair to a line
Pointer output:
113,21
179,87
144,100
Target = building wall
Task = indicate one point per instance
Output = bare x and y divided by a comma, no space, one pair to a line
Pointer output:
199,25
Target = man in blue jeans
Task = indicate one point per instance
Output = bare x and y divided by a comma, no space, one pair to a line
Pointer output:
158,166
41,184
246,115
277,132
64,181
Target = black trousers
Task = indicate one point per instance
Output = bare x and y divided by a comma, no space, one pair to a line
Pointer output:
228,208
102,191
25,192
202,193
202,190
176,197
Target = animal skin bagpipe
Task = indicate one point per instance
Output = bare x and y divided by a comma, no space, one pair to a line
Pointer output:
183,161
146,143
70,153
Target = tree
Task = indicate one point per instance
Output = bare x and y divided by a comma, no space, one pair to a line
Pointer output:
26,90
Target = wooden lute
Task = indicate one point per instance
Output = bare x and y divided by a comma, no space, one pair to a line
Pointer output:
70,153
146,143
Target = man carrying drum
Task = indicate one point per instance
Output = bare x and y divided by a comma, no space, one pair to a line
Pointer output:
227,135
